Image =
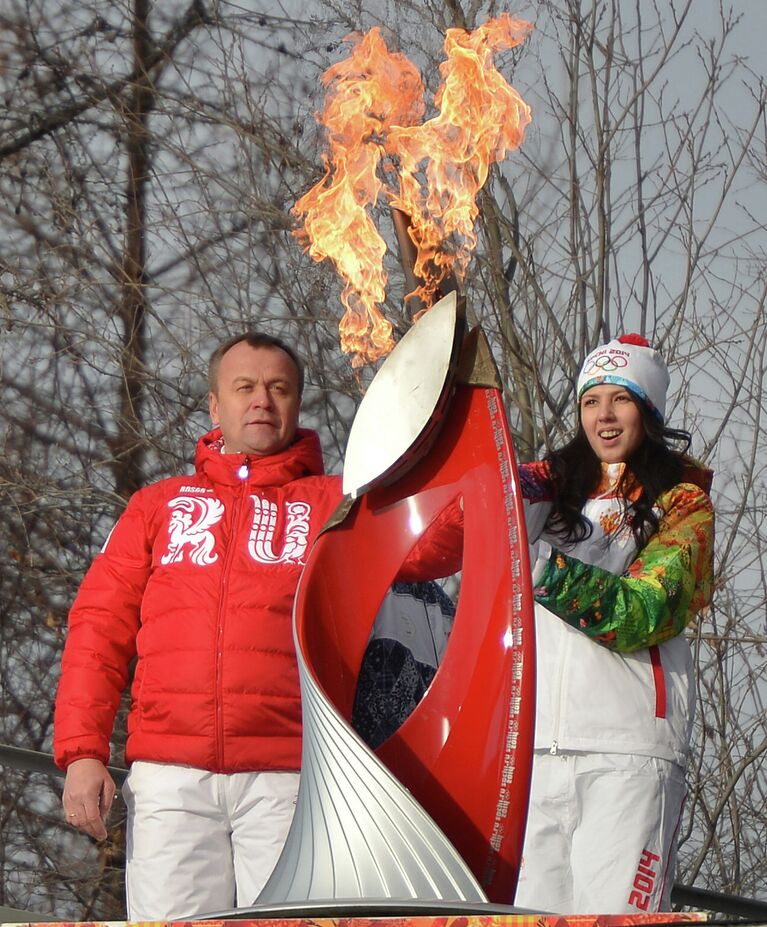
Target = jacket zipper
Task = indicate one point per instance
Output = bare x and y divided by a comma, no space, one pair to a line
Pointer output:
230,553
559,695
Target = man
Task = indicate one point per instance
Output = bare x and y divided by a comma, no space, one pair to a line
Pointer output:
197,581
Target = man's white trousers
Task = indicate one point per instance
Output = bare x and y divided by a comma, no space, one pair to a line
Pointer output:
601,834
199,842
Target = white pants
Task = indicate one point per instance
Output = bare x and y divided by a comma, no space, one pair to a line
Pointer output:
201,842
601,834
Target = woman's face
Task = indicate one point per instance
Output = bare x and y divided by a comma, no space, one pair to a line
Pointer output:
612,422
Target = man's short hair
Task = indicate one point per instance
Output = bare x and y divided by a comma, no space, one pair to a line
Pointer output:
255,340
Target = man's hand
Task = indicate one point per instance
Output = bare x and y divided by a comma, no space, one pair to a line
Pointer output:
88,794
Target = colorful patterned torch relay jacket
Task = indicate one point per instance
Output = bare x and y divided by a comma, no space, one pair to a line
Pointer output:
634,693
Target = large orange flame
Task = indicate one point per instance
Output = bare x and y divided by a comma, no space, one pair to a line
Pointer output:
431,171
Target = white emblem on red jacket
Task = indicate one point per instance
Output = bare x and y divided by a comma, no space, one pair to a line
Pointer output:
261,542
189,527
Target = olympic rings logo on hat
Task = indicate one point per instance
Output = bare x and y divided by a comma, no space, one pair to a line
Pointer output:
608,363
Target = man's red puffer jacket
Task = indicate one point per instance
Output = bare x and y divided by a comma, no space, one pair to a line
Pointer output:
197,581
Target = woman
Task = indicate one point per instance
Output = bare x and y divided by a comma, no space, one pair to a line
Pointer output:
622,531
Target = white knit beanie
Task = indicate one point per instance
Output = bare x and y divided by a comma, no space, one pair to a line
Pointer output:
628,361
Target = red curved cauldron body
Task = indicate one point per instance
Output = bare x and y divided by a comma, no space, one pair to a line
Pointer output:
465,753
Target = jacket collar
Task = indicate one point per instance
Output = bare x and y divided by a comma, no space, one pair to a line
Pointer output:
302,458
694,473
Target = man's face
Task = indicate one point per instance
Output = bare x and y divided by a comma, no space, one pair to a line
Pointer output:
256,400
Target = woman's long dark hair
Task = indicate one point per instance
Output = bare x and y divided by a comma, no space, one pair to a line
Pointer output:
655,466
